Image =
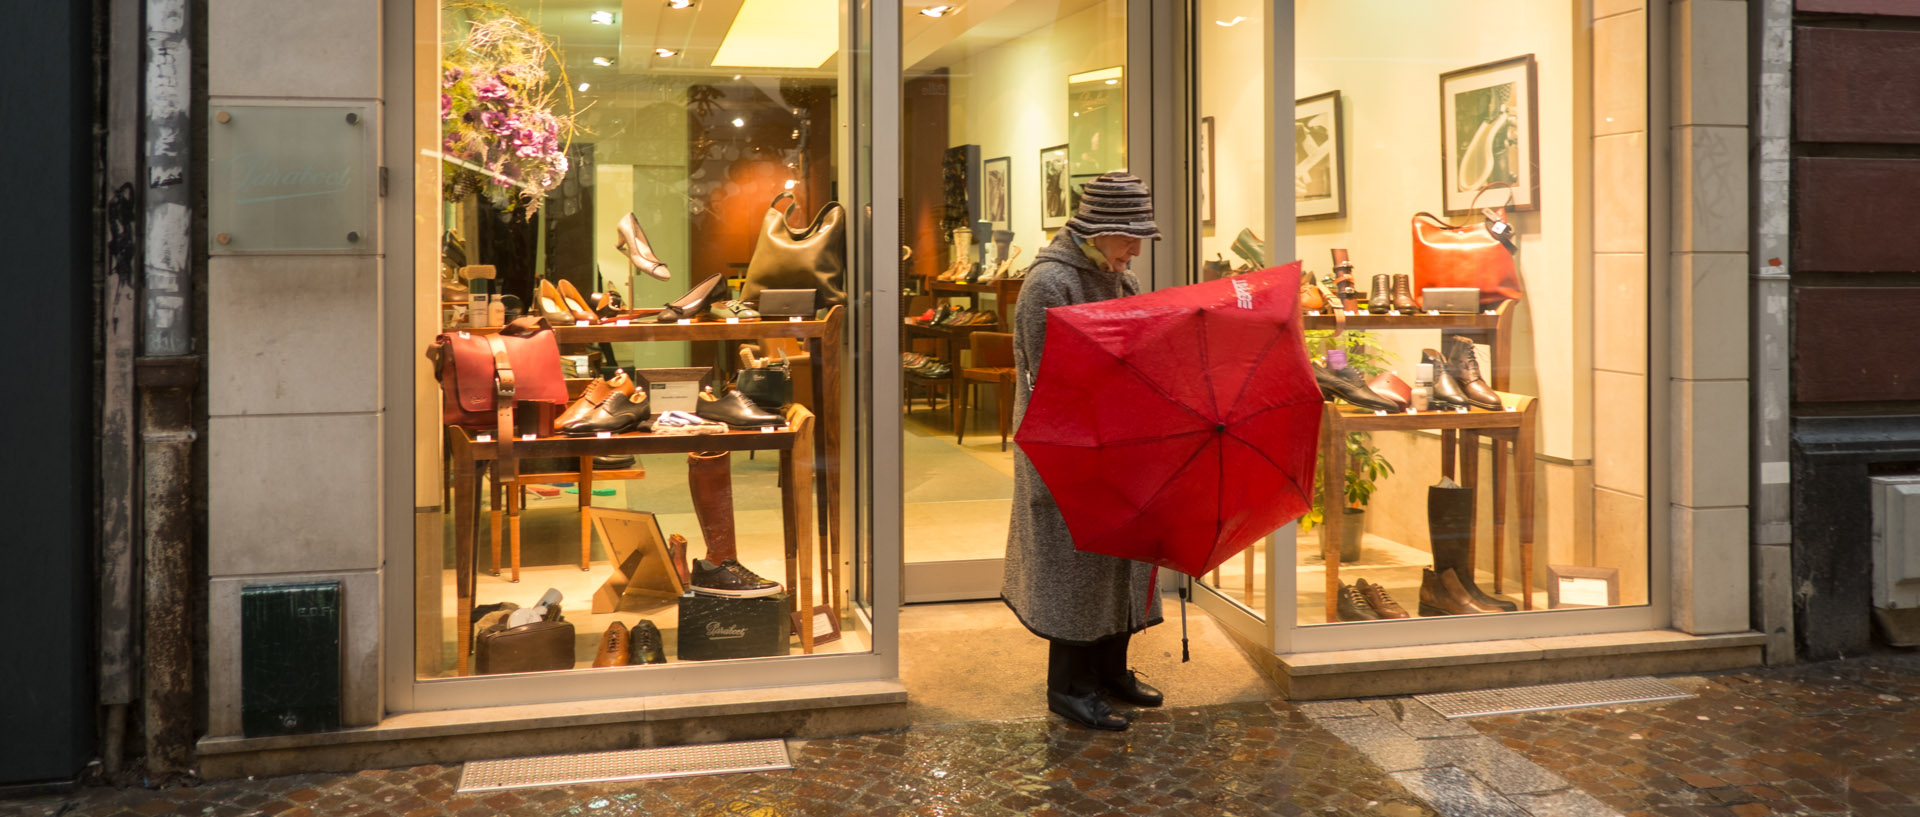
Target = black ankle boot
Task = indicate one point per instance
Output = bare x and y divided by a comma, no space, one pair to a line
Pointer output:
1127,687
1089,710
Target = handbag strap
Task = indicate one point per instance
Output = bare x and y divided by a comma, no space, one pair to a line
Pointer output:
792,202
506,467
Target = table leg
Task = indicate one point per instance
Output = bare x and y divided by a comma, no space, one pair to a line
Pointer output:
1333,479
1448,440
1524,467
1499,514
1470,478
493,527
516,496
795,509
466,495
586,500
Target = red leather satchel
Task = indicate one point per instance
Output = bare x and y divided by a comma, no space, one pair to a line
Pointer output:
483,376
1449,255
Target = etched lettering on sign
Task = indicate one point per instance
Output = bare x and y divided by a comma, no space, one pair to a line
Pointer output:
716,630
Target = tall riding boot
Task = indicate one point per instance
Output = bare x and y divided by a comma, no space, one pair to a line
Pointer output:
710,481
1450,527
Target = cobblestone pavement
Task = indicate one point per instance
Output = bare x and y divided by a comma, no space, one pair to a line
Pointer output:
1230,759
1832,738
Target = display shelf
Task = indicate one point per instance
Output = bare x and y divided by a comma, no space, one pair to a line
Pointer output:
1492,327
952,340
1513,425
1006,293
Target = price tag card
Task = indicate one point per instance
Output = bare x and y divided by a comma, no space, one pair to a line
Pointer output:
768,429
1394,312
464,334
603,434
1491,312
684,321
529,437
733,320
1379,412
1433,311
1351,312
1460,410
1513,408
1314,312
623,322
795,319
483,438
1412,410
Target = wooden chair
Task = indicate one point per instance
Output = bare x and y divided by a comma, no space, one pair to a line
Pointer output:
991,354
507,501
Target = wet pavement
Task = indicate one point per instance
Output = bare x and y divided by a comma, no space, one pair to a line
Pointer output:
1229,759
1832,738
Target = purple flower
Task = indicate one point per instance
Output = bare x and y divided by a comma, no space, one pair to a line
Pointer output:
497,122
453,75
492,88
446,105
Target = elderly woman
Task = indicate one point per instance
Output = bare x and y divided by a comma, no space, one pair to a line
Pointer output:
1086,605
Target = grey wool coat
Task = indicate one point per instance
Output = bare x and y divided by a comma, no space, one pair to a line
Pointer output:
1060,593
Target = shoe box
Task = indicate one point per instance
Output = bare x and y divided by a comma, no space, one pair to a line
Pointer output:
713,627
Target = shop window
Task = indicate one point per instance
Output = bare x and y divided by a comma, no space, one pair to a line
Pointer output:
663,186
1470,196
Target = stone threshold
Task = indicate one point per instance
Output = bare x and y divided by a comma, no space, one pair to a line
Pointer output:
457,735
1365,673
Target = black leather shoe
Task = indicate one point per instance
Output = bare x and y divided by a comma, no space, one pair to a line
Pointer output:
730,579
1089,710
620,413
1129,689
735,410
1333,385
694,304
613,462
645,645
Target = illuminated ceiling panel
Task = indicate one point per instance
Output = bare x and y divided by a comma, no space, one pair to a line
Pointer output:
781,34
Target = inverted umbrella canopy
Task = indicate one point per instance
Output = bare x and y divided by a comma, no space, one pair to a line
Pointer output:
1177,427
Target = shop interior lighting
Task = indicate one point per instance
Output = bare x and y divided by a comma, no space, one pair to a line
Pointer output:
603,62
679,4
664,53
1230,23
1113,82
781,34
937,11
790,184
739,123
583,87
602,18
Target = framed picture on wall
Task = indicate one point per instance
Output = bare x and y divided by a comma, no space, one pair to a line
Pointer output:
1490,136
1075,186
1206,171
1319,161
1055,207
996,185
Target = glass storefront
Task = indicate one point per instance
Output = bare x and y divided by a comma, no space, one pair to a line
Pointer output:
1464,196
671,187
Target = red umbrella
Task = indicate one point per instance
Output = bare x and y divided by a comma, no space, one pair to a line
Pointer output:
1177,427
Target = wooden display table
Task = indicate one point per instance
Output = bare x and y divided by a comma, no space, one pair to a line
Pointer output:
1005,292
1494,328
952,340
794,442
1515,426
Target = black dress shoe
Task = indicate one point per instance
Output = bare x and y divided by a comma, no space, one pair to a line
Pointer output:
1089,710
1129,689
613,462
694,304
735,410
1333,385
620,413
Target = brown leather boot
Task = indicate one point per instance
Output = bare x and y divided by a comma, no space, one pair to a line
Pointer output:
1403,294
1378,297
613,650
677,554
1450,532
710,480
1442,595
1458,351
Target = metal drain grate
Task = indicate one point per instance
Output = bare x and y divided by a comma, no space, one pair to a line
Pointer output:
1551,696
626,764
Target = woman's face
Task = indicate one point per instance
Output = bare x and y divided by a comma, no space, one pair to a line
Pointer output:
1119,250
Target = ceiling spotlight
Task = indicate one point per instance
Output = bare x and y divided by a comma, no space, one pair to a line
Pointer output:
603,62
583,87
679,4
1113,82
739,123
790,184
937,11
601,18
665,52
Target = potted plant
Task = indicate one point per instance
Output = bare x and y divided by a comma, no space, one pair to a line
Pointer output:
1366,466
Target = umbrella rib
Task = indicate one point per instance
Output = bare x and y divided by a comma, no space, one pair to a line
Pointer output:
1276,466
1251,370
1129,368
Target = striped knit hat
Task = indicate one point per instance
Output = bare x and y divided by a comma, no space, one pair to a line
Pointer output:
1116,203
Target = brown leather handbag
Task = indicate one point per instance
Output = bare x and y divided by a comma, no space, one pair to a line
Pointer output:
814,257
483,376
1451,255
541,646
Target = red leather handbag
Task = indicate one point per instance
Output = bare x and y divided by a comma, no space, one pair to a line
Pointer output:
1449,255
483,376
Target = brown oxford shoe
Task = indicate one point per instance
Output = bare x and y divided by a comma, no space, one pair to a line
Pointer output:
613,650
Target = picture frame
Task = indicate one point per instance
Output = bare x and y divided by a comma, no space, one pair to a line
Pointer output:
1490,135
1075,185
1575,586
996,186
1205,159
1319,158
826,625
1055,198
673,389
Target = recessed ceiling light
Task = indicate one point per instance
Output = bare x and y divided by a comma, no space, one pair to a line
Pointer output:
790,184
679,4
583,87
665,52
937,11
1113,82
1230,23
603,18
739,123
603,62
781,34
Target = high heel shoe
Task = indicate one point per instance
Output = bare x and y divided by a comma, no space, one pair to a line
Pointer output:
552,305
633,242
571,300
694,304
